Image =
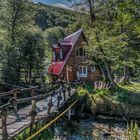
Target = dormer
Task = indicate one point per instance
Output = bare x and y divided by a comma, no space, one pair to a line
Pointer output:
57,52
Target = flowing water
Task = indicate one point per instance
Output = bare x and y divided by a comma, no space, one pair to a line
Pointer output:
87,129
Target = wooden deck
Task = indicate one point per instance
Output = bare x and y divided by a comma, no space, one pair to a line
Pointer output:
15,124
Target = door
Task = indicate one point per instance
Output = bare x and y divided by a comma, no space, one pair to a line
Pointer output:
83,71
70,74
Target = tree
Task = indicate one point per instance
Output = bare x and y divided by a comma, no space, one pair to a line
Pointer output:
107,41
16,17
54,35
127,20
32,53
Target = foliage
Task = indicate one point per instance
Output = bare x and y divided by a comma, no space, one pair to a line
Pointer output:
49,16
54,35
113,37
25,49
132,130
81,91
89,88
32,53
127,94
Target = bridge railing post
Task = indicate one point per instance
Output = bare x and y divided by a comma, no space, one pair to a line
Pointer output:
59,98
15,96
64,93
33,112
4,124
50,104
13,102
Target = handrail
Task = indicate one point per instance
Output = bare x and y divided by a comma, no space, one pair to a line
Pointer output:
17,90
47,125
37,97
14,101
6,93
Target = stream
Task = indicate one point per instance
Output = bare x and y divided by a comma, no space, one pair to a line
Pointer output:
88,128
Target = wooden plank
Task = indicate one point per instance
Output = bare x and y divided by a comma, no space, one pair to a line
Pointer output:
15,126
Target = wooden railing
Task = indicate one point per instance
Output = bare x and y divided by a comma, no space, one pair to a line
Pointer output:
14,101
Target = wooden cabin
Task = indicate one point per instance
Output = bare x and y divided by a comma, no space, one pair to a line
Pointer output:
70,60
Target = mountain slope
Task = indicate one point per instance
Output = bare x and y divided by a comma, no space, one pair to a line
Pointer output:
50,16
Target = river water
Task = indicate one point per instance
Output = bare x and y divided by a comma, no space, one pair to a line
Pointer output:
88,128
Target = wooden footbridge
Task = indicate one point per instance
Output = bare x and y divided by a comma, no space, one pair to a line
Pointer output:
22,112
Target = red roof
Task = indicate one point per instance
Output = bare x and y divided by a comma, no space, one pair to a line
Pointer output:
56,67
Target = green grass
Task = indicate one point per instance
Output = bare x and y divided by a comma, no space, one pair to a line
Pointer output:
124,101
127,94
133,87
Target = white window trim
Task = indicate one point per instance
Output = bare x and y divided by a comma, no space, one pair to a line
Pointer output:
83,75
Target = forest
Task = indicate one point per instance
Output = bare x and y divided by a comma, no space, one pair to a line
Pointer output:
112,31
28,30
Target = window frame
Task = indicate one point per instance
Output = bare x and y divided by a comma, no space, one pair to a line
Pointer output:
83,75
80,52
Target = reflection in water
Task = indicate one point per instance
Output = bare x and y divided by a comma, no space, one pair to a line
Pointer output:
87,129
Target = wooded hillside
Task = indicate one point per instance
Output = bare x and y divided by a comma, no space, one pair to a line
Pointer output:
26,32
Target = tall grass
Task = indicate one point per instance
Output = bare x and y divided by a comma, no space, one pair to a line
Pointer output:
132,131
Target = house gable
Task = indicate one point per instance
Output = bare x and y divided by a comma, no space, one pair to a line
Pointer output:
70,41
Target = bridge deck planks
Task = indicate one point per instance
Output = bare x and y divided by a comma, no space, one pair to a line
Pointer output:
15,126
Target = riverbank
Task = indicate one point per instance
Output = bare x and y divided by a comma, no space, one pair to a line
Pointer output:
87,128
123,102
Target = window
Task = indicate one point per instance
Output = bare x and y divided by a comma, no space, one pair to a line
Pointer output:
54,57
83,71
57,55
80,52
93,68
61,54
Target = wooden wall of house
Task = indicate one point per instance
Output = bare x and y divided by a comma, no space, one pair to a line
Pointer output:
74,61
65,50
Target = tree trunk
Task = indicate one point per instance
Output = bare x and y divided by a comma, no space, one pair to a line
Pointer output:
126,74
102,69
107,66
91,8
104,73
110,75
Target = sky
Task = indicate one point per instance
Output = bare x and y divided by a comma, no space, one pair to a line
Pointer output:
53,1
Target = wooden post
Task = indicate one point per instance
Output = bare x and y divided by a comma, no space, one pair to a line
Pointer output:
64,93
59,97
4,124
33,112
14,103
15,96
50,105
67,74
